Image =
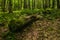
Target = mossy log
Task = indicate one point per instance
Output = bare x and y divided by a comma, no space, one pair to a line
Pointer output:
16,26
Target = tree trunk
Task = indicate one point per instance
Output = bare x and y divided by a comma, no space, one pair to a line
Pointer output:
33,4
53,5
49,4
46,3
38,4
58,4
21,4
3,5
25,4
10,6
29,4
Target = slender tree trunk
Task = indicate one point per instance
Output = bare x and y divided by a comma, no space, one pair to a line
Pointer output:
53,5
58,4
14,6
38,4
33,4
49,4
3,5
46,3
10,6
29,4
19,7
25,4
21,4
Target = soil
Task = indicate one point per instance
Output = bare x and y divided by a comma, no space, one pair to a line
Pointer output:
40,30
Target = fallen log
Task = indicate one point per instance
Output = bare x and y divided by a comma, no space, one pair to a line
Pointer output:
18,27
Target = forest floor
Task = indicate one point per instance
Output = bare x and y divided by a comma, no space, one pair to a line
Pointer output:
40,30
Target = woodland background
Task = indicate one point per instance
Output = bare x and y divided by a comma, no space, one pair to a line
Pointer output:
29,19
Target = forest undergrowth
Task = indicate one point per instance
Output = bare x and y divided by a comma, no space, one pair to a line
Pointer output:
43,25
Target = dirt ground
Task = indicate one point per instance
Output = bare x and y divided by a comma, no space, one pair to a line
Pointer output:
39,30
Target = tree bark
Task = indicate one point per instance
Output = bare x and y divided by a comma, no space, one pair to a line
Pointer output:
25,4
3,5
58,4
33,4
10,6
53,5
29,4
49,4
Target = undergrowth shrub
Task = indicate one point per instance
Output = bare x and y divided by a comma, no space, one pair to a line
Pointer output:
48,14
30,12
51,14
16,20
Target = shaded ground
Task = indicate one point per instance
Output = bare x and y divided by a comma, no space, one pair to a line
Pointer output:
40,30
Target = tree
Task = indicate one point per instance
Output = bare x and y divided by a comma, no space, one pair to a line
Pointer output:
3,5
33,4
29,4
58,4
10,7
38,4
46,3
19,4
49,4
53,5
25,4
44,6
